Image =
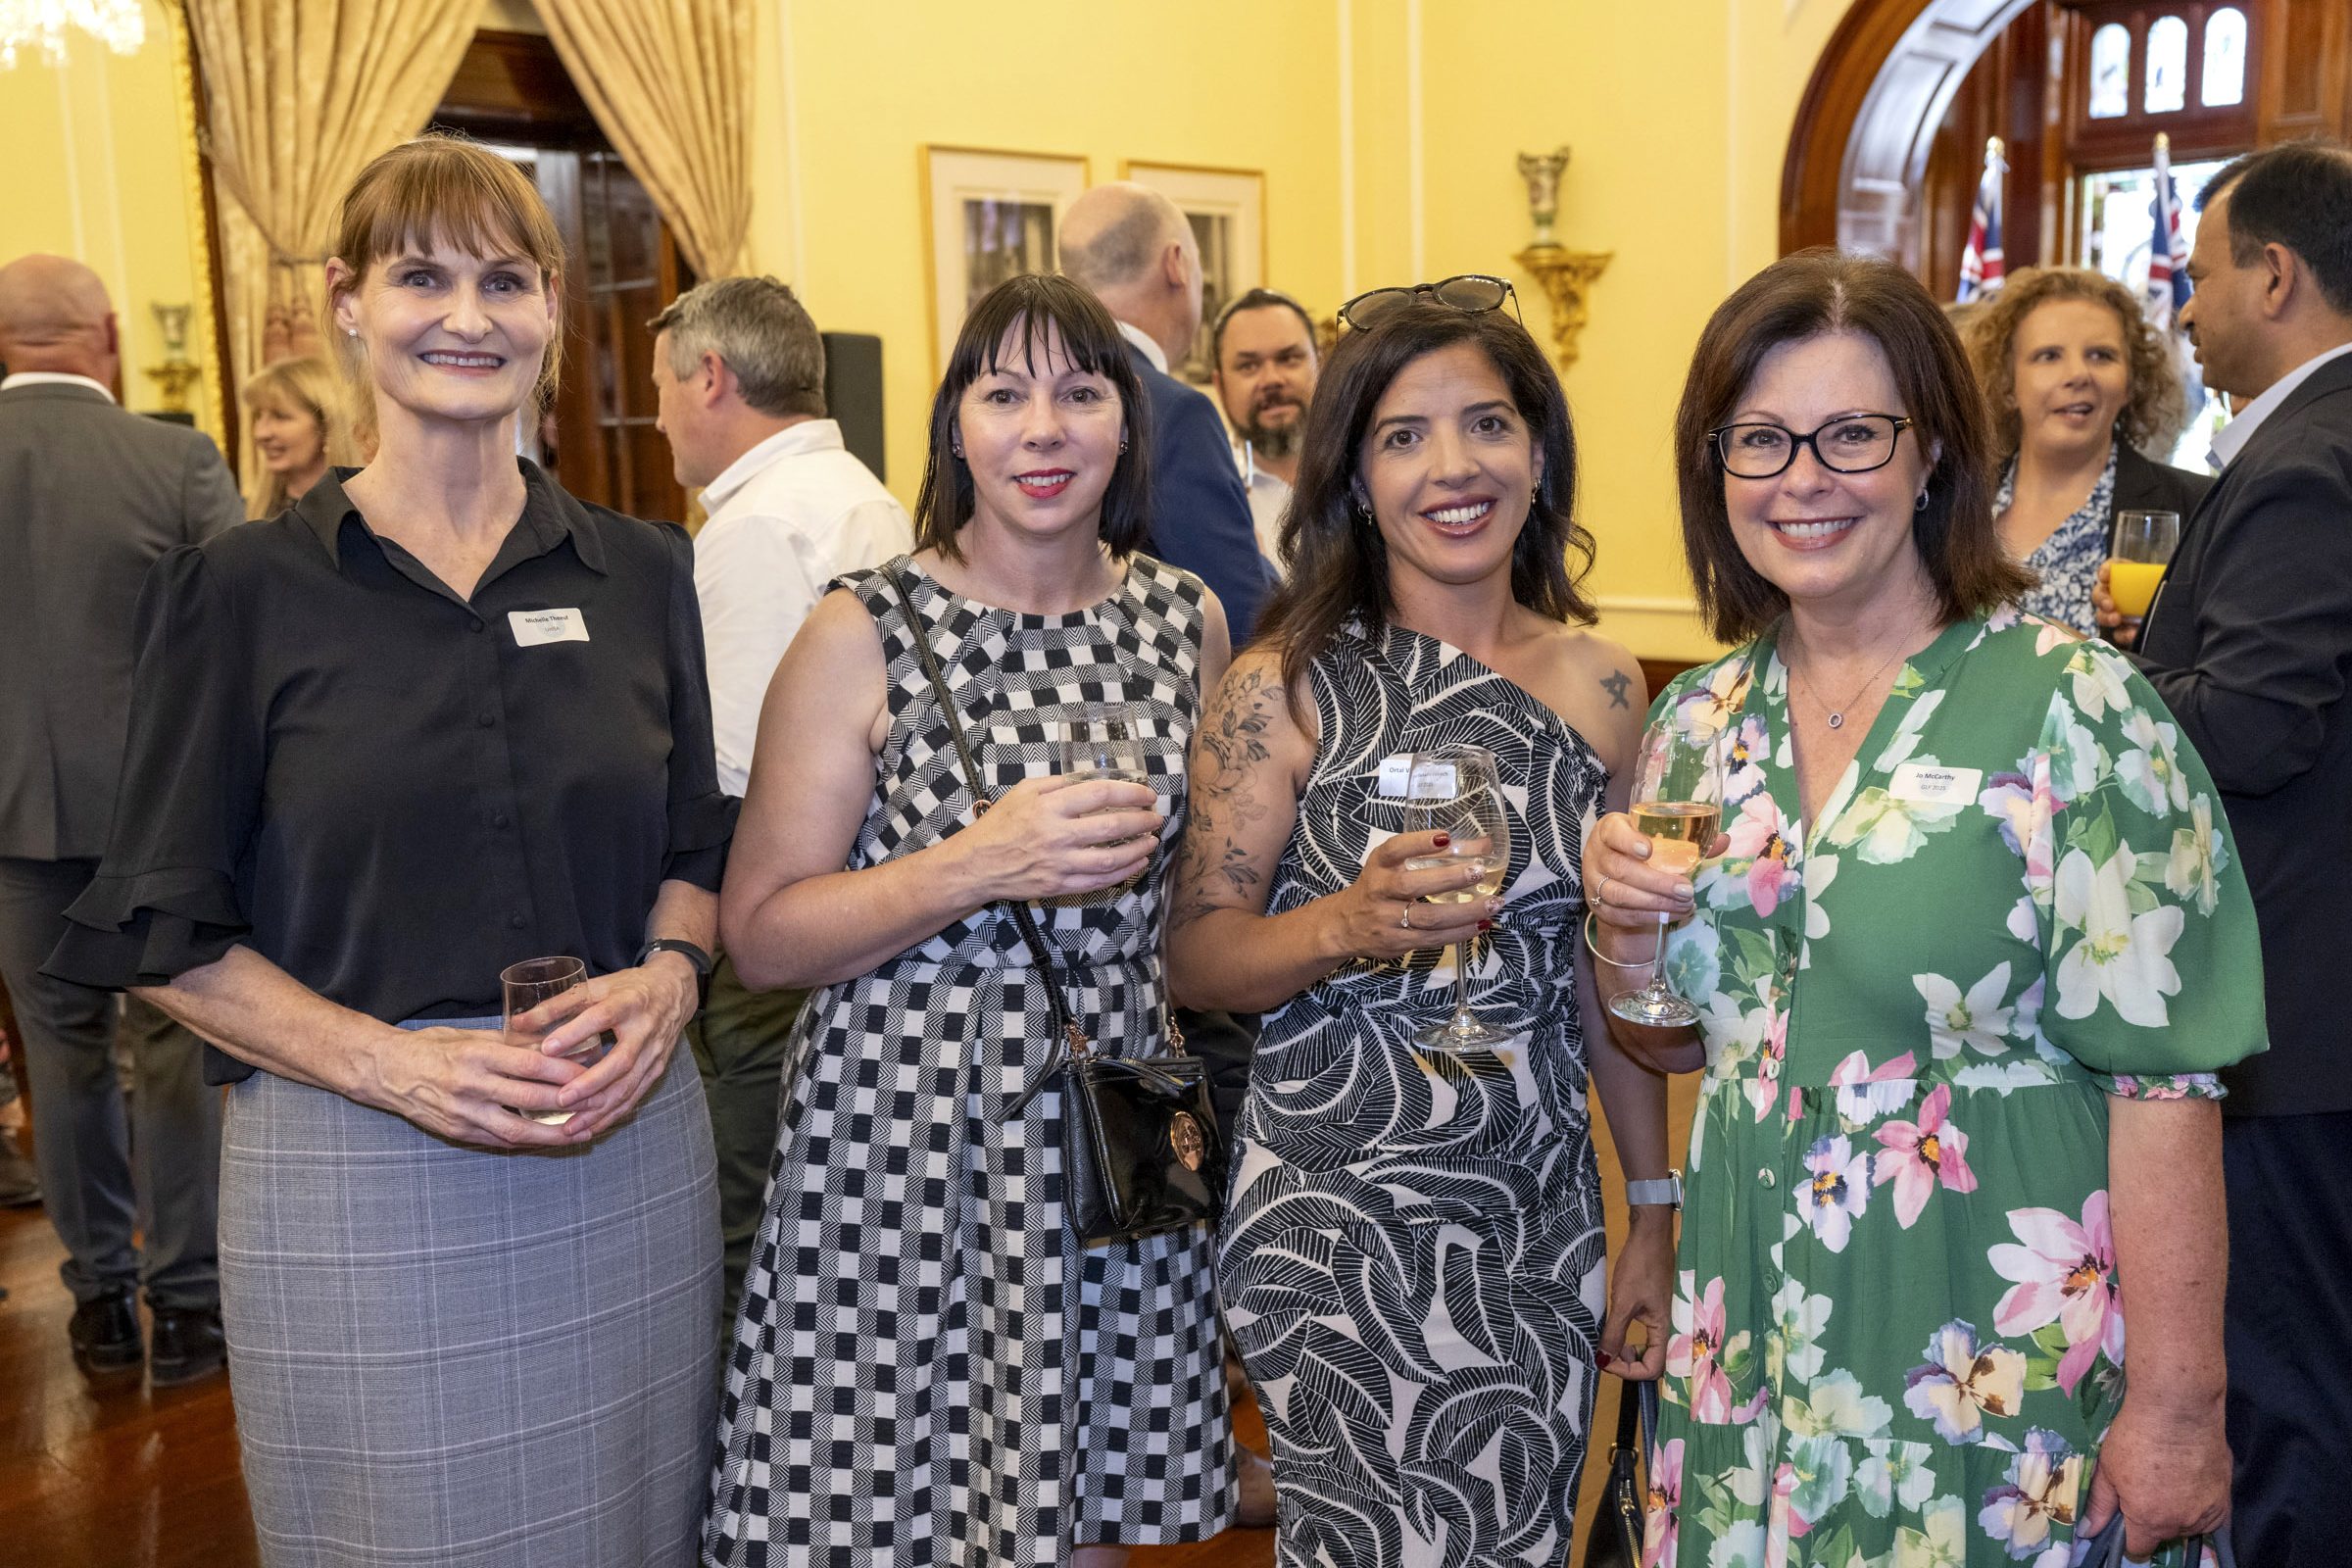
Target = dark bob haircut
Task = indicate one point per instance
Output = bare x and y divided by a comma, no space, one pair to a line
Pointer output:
1022,315
1338,563
1806,295
2299,195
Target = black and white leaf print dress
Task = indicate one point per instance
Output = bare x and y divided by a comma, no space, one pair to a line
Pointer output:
928,1368
1412,1256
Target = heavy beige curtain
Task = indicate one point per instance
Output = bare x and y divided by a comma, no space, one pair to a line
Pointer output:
670,82
302,96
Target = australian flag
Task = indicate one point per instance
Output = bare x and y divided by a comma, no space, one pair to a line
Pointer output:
2168,252
1981,265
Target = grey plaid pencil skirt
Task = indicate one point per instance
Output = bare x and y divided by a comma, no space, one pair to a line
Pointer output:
452,1357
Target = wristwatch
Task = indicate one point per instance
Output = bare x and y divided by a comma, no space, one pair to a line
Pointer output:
1666,1191
692,955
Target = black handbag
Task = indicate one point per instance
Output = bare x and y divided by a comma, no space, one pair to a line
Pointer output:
1142,1153
1617,1534
2106,1548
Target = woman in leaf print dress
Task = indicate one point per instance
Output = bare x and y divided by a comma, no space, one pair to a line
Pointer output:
1967,956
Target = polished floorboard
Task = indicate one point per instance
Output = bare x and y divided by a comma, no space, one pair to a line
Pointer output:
115,1474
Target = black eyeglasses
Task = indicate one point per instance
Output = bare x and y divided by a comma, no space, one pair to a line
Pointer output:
1472,293
1851,443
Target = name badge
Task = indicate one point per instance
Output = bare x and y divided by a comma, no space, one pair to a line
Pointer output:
1926,784
535,627
1398,777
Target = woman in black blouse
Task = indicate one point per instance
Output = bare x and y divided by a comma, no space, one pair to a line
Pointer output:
437,718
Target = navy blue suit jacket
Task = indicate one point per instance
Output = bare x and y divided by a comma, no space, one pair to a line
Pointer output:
1200,512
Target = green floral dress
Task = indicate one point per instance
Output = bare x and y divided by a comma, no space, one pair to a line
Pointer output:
1898,1330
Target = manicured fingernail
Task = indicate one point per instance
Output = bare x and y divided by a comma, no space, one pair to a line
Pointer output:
1444,838
1685,896
1486,925
1606,1360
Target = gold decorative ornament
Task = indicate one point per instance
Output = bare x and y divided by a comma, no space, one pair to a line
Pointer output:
177,374
1184,1136
1567,276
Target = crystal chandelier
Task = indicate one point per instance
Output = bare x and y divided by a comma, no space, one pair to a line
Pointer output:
42,25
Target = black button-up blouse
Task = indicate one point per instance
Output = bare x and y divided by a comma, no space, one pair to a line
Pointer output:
392,792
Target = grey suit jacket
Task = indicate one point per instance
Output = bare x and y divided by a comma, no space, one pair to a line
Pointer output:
90,495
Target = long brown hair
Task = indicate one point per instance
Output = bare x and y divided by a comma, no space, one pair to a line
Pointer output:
1806,295
1338,563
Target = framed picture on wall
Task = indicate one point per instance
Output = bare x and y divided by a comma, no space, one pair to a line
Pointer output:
987,216
1228,211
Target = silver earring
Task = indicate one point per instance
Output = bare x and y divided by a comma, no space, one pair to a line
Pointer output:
1122,448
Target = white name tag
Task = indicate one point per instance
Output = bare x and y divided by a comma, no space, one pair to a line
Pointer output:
1431,780
1396,773
1924,784
535,627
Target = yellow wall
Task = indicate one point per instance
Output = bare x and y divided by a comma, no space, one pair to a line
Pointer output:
1678,113
97,170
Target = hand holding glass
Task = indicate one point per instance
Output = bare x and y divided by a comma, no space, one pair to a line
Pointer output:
528,984
2142,546
1459,792
1106,743
1678,804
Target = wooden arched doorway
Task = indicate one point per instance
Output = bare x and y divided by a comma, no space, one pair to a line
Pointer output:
1858,153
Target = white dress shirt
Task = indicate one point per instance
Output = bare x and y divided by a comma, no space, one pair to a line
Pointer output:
1268,495
1146,342
56,379
2231,438
786,518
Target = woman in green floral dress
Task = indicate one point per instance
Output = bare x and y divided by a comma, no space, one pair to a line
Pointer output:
1968,955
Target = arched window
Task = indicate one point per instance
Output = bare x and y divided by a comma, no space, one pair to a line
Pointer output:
2168,66
2224,71
2111,71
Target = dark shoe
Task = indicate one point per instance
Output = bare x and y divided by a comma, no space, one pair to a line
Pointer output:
1256,1511
188,1345
19,1187
105,1331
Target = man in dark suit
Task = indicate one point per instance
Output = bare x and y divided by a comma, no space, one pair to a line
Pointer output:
2250,643
1135,252
89,497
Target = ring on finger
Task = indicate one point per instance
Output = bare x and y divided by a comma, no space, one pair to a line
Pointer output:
1405,919
1601,895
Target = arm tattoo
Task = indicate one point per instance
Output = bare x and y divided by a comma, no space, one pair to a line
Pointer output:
1214,870
1615,685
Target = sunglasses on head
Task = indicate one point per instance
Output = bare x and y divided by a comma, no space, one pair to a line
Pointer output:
1472,293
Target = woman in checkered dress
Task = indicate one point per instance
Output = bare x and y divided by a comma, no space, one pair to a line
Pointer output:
927,1367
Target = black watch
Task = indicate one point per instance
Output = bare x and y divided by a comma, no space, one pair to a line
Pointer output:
692,955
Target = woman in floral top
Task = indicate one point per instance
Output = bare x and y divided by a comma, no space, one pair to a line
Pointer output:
1968,958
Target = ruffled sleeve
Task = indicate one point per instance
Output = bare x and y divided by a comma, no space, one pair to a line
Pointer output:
702,815
2153,960
164,900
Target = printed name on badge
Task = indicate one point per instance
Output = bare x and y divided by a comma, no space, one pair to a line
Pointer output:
535,627
1927,784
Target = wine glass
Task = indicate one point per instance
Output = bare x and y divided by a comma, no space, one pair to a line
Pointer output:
1457,791
1678,805
528,984
1104,742
2142,548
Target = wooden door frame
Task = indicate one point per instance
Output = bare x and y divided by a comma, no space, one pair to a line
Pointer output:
1858,150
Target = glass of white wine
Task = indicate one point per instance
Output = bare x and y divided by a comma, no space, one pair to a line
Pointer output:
1106,741
1457,791
1678,805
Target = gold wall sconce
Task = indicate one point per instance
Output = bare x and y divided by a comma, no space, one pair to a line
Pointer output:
1567,276
177,374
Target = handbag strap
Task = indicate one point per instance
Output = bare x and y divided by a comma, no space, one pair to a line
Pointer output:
2106,1548
1068,1039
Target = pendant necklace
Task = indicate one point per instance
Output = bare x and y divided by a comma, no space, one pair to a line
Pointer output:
1837,715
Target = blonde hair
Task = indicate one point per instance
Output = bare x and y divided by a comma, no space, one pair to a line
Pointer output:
440,188
303,385
2156,409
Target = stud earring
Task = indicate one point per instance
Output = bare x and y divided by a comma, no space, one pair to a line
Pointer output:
1919,505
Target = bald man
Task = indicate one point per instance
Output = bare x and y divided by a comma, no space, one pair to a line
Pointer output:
91,496
1136,252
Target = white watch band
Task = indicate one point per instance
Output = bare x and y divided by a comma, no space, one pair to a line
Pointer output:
1666,1191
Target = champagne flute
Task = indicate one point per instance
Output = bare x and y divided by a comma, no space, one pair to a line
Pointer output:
2142,546
1678,805
528,984
1459,792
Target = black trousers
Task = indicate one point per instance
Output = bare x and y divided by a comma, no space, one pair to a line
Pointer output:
739,1045
2290,1183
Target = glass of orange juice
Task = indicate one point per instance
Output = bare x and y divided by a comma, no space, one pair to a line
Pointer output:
2142,546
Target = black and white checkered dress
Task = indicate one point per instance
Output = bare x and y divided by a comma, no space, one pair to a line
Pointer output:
928,1368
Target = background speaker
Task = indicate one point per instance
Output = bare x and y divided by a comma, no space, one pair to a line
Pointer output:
854,394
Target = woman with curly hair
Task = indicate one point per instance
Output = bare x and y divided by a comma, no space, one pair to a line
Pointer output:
2079,381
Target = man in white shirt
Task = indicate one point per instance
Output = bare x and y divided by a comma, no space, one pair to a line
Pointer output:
1263,347
740,373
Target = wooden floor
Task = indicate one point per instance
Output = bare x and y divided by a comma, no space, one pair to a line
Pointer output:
118,1475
